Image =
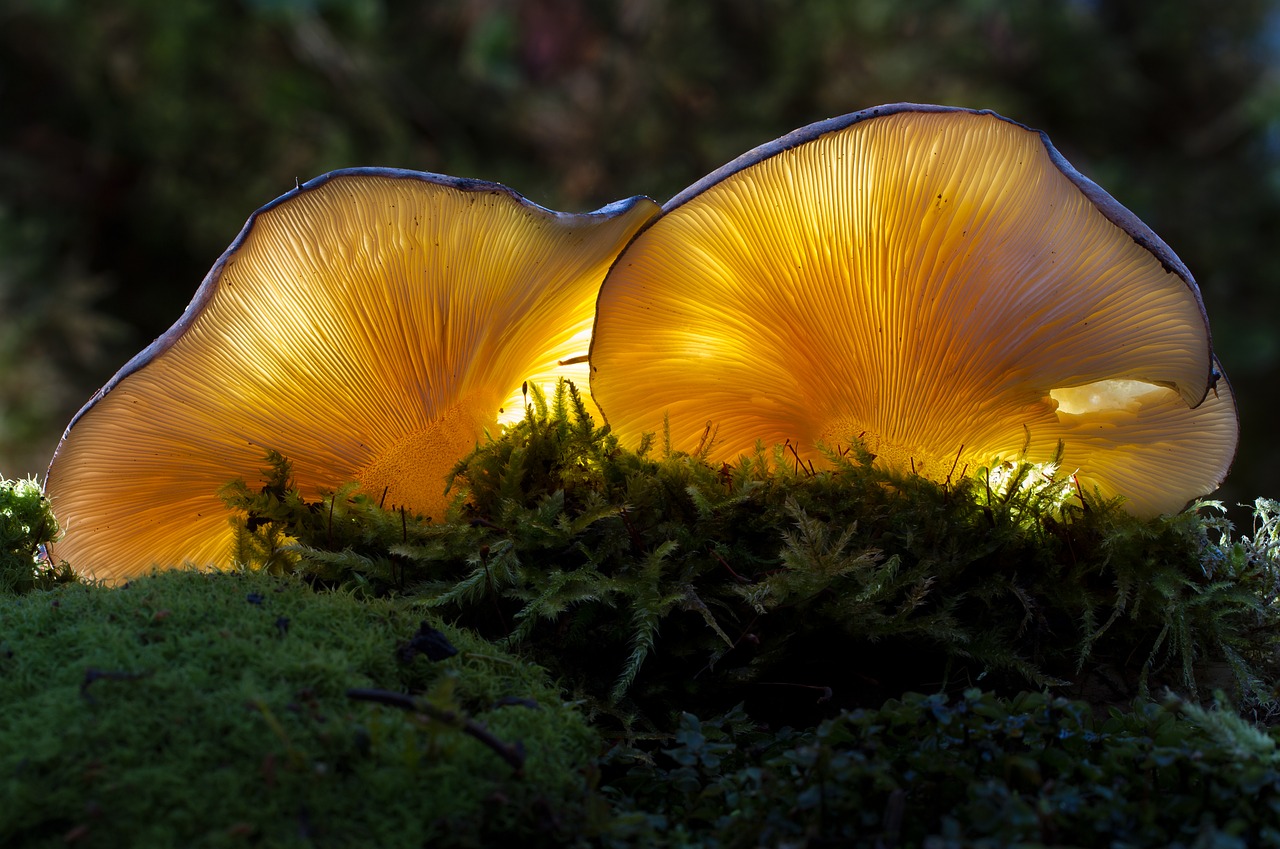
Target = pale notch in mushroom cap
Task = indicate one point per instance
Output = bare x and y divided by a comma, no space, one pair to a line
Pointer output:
929,279
368,325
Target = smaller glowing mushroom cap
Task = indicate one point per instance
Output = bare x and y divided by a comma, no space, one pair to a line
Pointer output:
939,282
368,325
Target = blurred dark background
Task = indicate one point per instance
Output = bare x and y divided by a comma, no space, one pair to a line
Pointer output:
137,135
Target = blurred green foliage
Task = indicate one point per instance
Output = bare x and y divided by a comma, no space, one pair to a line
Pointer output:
137,136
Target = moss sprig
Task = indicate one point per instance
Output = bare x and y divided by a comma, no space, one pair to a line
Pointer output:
26,524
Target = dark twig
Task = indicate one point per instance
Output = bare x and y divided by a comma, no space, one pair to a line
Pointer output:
725,564
637,541
517,701
954,463
512,753
1084,505
91,675
801,465
702,443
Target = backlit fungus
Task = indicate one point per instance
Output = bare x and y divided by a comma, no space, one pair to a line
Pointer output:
368,325
938,282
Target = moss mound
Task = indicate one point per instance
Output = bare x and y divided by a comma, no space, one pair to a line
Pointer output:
752,640
213,710
652,582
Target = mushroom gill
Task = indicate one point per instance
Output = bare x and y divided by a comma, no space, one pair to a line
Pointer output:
369,325
938,282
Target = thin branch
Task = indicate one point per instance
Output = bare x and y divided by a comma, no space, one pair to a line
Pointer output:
512,753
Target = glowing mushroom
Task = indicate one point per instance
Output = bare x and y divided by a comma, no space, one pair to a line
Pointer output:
939,282
368,325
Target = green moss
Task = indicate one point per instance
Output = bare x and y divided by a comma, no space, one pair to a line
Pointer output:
214,710
26,523
653,581
793,607
207,710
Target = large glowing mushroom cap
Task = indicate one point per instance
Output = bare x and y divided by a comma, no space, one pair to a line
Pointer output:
368,325
938,282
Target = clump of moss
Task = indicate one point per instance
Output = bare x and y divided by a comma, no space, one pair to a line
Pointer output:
26,523
209,710
650,579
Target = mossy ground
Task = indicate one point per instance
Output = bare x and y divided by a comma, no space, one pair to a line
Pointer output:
212,710
730,657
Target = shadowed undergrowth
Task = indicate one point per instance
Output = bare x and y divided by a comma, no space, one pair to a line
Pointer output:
650,581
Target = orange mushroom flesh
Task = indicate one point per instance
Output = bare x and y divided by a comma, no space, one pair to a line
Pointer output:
937,282
369,325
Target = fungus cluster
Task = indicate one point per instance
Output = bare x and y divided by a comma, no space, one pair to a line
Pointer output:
938,283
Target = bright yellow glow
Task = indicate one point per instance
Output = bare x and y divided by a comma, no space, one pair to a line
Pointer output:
1104,396
546,378
368,327
1047,477
413,470
927,282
